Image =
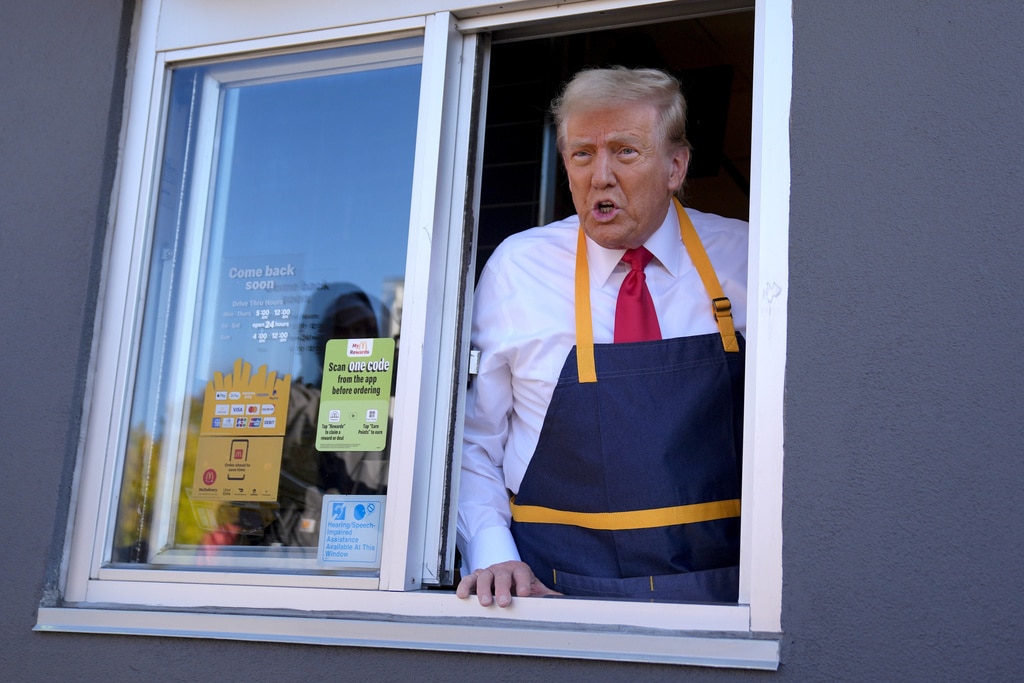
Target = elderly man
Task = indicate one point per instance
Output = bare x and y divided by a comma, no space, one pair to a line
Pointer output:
603,431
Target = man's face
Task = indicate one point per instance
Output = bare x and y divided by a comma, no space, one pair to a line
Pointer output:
621,173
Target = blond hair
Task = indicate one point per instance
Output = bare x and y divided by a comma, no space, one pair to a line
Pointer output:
600,88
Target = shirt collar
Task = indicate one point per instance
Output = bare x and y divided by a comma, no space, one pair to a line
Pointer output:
665,244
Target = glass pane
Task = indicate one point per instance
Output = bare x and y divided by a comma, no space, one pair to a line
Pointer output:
281,223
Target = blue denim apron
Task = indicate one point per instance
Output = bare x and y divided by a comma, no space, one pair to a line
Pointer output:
633,490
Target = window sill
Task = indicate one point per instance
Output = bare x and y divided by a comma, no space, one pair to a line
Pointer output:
478,634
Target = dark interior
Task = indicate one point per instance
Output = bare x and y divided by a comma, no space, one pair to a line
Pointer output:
523,183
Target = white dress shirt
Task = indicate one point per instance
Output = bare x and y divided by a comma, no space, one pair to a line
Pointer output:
524,326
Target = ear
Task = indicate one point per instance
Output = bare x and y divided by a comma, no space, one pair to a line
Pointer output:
679,162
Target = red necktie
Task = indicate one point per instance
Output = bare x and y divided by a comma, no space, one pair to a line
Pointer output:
635,317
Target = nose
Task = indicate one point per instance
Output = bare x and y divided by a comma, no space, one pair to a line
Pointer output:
604,173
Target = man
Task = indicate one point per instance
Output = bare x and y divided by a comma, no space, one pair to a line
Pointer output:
608,400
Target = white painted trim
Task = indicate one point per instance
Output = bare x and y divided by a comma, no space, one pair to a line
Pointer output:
116,311
513,17
455,635
761,540
169,589
411,454
350,35
448,281
728,635
297,574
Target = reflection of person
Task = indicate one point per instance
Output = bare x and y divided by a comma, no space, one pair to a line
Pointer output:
306,473
335,311
628,486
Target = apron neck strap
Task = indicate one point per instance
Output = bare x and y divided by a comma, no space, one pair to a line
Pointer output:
721,307
585,367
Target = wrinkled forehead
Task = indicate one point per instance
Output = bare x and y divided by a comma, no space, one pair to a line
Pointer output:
634,122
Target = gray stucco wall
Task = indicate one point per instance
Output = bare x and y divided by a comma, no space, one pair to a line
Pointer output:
904,379
61,79
902,519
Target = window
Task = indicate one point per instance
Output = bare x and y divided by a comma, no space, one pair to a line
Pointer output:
318,168
273,232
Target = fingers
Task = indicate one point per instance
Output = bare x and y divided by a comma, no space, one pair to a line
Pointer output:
497,583
486,586
473,583
524,580
504,581
466,586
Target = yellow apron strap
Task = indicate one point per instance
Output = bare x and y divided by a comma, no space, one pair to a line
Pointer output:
721,307
585,367
633,519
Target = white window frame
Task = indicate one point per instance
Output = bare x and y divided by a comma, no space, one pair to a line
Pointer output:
399,614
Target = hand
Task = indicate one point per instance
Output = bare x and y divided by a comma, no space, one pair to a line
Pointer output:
499,580
225,534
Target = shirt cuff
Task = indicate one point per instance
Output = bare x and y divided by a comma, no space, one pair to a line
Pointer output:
489,546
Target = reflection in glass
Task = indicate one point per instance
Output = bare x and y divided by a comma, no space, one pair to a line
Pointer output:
281,222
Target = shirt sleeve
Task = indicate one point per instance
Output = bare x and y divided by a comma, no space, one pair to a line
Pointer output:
483,514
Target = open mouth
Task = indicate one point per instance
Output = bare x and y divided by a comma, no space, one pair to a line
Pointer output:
605,207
